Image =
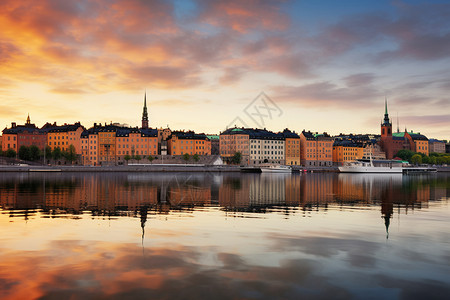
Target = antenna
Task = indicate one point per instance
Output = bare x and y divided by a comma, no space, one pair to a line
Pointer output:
398,127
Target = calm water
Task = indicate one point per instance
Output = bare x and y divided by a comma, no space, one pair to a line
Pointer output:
248,236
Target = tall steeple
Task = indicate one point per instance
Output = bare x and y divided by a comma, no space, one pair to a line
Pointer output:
28,120
386,126
144,113
386,115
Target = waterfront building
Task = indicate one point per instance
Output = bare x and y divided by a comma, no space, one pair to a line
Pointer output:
292,147
109,144
65,135
257,146
215,143
235,140
391,143
23,135
180,143
436,146
316,149
346,150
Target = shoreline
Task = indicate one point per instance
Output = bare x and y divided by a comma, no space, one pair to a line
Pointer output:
165,168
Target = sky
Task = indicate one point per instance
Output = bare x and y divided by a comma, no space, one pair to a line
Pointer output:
324,66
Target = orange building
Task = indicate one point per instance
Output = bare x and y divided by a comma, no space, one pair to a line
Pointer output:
292,147
136,142
65,135
180,143
235,140
316,149
344,151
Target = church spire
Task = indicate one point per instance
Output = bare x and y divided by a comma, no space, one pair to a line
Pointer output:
386,115
28,119
144,112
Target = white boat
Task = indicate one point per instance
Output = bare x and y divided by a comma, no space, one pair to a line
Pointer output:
360,166
276,169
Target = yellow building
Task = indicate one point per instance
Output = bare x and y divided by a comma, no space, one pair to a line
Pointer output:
291,148
180,143
344,151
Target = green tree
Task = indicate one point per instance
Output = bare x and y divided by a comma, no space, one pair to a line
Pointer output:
57,153
237,157
11,153
137,157
71,154
186,156
48,152
24,153
425,159
405,154
432,160
35,153
196,157
151,158
416,159
127,158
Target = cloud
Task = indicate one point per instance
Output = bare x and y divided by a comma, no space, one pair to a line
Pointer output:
244,16
328,94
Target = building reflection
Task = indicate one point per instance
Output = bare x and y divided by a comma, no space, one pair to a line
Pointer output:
24,195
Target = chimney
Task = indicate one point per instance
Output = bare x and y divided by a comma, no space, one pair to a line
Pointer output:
13,124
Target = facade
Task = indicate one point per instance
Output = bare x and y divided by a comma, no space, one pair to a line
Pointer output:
257,146
65,135
109,144
391,143
436,146
235,140
345,151
292,147
23,135
316,149
266,147
215,143
180,143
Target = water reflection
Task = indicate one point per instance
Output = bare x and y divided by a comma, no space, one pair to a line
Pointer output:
250,236
116,194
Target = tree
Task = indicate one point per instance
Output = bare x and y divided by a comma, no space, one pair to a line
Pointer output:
196,157
24,153
56,153
71,154
127,158
10,153
405,154
138,158
416,159
48,152
236,159
186,156
151,158
35,153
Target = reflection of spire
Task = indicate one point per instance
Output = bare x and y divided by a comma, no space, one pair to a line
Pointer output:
387,222
143,213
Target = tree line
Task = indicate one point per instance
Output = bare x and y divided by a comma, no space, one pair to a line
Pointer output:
420,158
33,153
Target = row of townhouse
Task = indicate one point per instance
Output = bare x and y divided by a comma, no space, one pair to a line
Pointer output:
260,146
105,144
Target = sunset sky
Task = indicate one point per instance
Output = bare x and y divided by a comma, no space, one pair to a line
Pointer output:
326,65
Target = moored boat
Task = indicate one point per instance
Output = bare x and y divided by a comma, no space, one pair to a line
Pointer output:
276,169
